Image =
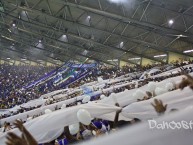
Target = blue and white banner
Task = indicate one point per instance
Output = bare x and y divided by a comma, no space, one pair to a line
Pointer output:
47,76
91,65
65,75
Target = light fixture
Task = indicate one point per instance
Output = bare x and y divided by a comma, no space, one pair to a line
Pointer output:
171,22
89,17
9,30
136,58
8,58
40,41
121,44
118,1
156,56
188,51
13,25
23,59
64,36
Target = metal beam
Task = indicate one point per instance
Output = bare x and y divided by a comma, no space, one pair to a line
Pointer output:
60,54
92,41
29,58
124,19
120,18
153,46
95,41
66,43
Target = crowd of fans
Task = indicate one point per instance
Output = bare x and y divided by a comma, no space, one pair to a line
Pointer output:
13,78
97,127
97,97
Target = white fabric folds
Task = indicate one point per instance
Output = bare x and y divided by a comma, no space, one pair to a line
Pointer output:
142,134
49,126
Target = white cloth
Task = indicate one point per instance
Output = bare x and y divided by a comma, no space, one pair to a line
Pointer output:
144,110
141,134
125,98
49,126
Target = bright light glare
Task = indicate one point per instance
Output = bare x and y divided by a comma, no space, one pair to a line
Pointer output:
64,36
137,58
121,44
171,22
188,51
118,1
88,17
156,56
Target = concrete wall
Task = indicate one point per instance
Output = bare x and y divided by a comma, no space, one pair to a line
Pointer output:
123,63
146,61
174,57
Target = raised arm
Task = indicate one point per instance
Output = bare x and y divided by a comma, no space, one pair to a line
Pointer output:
116,119
27,136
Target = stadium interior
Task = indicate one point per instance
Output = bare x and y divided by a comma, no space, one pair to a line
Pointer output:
96,72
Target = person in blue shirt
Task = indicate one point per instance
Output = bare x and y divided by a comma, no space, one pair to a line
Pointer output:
63,141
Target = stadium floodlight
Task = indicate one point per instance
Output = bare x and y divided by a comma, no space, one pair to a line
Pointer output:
188,51
171,22
136,58
163,55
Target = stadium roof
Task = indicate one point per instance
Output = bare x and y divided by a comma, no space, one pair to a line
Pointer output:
101,30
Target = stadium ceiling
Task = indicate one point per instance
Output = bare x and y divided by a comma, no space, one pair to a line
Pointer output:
101,30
